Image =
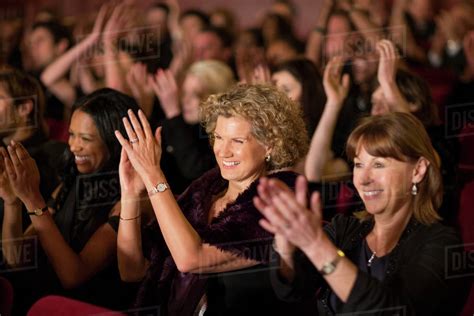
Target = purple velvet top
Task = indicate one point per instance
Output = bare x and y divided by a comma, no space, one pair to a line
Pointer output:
235,229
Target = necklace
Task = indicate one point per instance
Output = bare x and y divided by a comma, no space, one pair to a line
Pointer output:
369,262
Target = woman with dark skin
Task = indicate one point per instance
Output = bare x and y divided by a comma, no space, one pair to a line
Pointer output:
77,227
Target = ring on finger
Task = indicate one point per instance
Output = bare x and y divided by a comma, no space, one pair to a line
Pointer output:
134,140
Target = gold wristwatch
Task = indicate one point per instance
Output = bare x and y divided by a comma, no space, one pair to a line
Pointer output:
38,211
329,267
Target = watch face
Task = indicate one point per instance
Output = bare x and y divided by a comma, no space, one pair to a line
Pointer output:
39,212
328,268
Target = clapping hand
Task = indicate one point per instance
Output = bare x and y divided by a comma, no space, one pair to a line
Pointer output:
131,184
287,216
140,85
165,87
6,191
22,171
336,88
387,63
143,149
262,75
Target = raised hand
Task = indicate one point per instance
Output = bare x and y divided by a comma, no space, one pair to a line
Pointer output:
262,75
286,214
387,63
335,88
137,80
165,87
6,191
100,20
22,172
142,147
182,56
131,184
115,24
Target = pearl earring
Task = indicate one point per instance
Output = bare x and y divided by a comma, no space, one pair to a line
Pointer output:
414,189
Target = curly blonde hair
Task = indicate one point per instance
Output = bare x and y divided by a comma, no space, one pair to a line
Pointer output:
276,120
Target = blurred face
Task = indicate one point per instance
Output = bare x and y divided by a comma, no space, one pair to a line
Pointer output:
282,10
337,36
191,26
241,158
380,105
192,93
270,29
208,46
8,114
384,184
42,47
421,10
288,84
364,70
157,17
89,150
278,52
218,19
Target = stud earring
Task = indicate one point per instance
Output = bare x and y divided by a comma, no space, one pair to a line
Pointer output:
267,158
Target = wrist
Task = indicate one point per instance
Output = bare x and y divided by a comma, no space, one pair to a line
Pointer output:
320,250
172,113
11,201
153,178
34,201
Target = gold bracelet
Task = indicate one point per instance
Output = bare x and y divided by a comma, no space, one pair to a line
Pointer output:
131,218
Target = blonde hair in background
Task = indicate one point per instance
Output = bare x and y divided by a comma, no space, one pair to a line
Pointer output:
215,76
402,136
276,120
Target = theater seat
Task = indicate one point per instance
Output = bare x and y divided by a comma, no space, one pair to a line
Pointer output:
58,305
6,297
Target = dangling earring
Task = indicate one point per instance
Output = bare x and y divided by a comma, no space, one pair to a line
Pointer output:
267,158
414,189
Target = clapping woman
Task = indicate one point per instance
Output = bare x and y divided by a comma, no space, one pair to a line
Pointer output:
77,227
213,227
395,256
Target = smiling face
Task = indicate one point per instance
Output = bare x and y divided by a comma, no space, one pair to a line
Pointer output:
241,158
384,184
90,152
288,84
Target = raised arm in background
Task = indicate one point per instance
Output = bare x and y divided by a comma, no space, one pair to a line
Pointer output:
315,42
320,160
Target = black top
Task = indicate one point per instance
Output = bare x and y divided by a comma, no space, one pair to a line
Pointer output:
189,146
421,274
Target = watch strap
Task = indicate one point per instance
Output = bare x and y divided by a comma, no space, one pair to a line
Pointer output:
38,211
160,187
330,266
